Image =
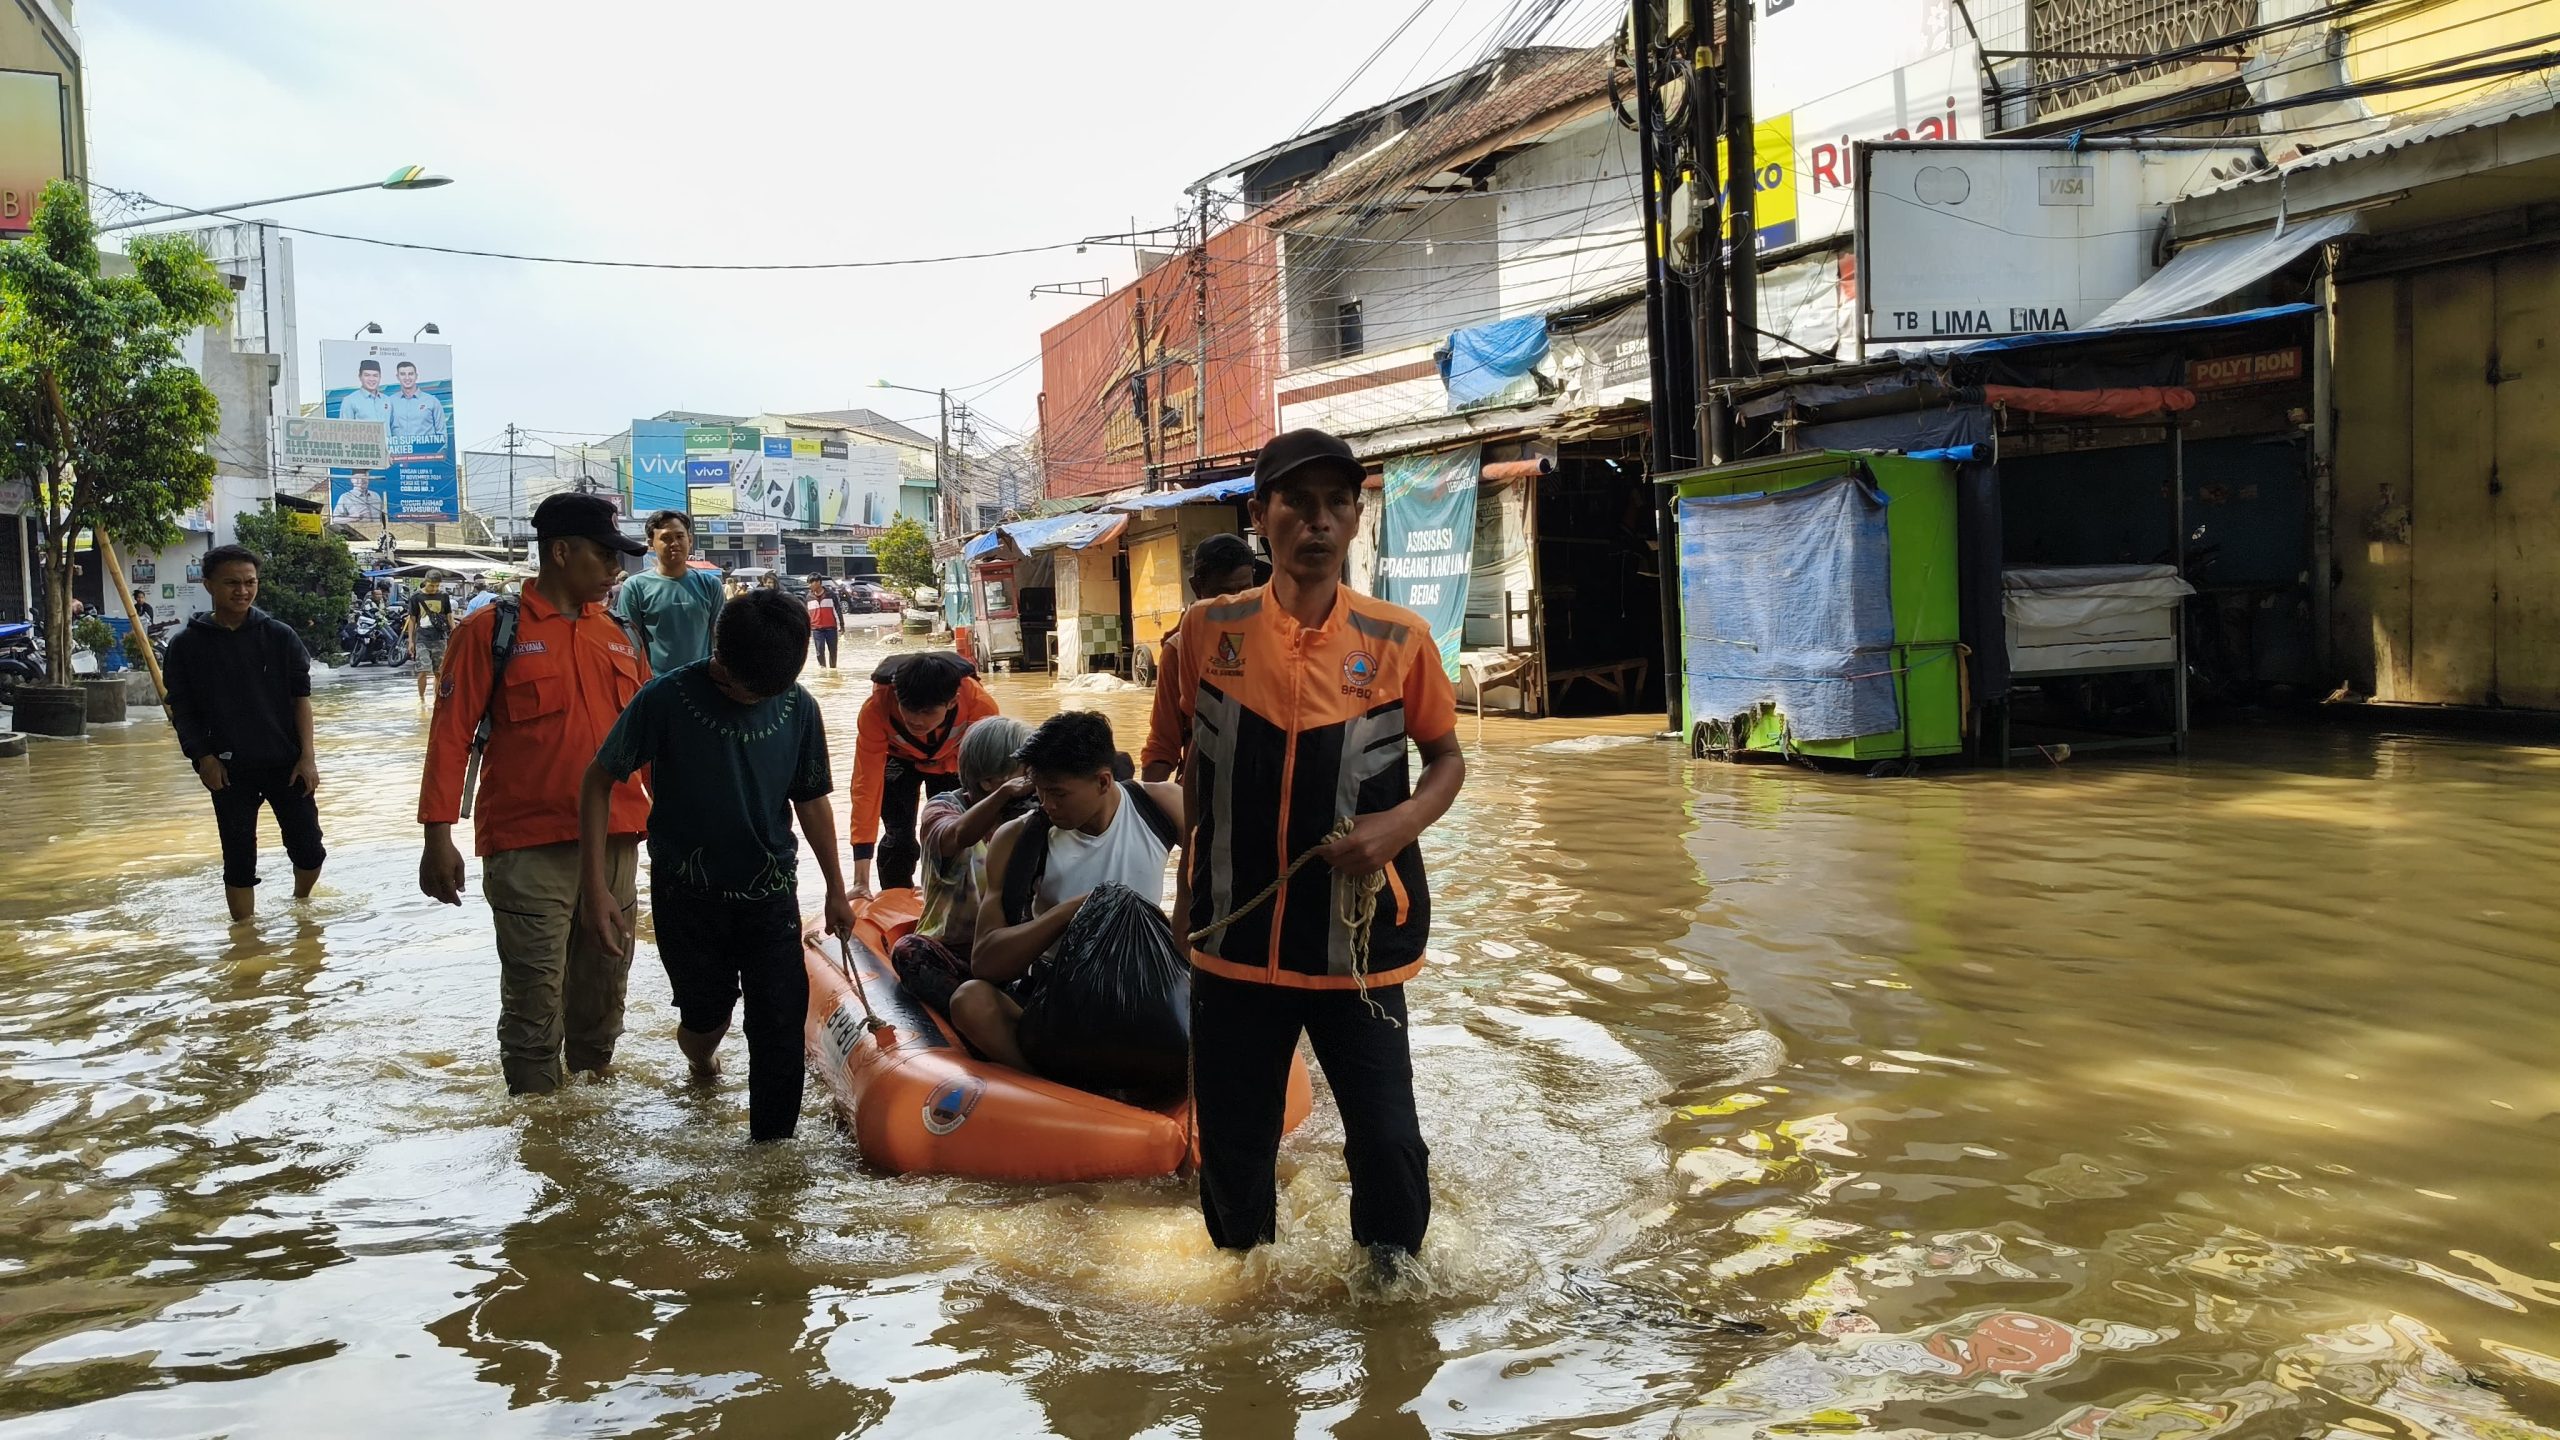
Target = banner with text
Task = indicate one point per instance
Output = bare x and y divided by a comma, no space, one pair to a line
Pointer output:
734,455
409,389
309,442
657,466
1428,543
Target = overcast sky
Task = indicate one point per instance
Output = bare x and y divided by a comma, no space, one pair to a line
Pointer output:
756,131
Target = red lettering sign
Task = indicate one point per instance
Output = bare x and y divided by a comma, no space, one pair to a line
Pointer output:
2230,372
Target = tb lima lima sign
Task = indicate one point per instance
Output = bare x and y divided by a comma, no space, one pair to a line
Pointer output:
1957,242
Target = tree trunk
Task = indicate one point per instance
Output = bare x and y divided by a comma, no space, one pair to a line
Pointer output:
58,644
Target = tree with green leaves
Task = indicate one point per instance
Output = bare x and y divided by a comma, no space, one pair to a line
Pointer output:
99,413
904,553
307,579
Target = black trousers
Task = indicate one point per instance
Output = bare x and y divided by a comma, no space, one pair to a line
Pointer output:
1242,1036
824,643
235,819
715,950
902,791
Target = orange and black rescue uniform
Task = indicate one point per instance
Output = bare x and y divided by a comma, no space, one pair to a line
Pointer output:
1293,730
896,769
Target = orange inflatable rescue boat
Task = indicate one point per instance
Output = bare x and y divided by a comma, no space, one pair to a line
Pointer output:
919,1103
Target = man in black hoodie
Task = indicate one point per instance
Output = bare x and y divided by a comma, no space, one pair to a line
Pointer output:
240,697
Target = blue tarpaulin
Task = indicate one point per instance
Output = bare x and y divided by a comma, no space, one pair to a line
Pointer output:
2148,327
1237,488
1787,605
1075,532
1488,363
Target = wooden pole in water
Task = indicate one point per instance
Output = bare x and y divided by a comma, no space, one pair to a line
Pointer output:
124,591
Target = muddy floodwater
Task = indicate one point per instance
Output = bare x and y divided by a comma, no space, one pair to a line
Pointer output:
2132,1098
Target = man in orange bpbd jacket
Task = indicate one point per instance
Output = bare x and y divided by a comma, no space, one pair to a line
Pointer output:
906,747
568,671
1303,697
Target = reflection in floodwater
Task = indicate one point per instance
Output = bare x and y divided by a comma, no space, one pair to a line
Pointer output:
2145,1099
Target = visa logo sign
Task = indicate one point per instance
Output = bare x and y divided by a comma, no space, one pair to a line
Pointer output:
2066,185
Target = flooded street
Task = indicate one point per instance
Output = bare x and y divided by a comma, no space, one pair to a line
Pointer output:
2136,1098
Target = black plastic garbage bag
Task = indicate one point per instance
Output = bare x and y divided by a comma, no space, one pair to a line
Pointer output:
1111,1010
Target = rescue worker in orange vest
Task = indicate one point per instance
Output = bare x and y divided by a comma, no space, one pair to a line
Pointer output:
906,748
1302,695
1223,565
569,671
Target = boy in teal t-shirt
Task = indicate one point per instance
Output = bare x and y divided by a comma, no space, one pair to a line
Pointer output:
673,606
735,749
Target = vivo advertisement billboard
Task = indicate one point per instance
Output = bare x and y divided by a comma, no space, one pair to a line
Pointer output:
657,466
409,388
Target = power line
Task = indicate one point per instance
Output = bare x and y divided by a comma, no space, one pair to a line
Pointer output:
670,264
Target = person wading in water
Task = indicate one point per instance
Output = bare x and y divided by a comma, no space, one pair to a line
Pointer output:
1301,695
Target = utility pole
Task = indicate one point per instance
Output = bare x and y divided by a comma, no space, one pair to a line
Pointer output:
1742,186
942,476
1200,352
1669,338
512,433
1709,328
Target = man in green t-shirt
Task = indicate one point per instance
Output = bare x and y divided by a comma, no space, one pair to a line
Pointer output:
674,605
736,750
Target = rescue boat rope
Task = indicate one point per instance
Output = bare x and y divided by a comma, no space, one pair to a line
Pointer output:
1359,909
871,1020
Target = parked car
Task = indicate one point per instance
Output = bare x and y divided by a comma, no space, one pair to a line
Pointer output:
870,597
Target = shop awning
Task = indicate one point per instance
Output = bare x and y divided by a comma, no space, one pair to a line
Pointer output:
1070,532
2204,273
1215,491
2146,327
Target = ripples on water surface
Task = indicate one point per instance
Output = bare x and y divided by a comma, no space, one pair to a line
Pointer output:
2133,1099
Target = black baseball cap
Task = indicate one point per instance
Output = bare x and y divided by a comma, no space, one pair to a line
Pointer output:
1221,553
573,516
1295,450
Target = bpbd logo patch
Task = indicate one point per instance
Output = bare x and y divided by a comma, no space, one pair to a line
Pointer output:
949,1108
1359,670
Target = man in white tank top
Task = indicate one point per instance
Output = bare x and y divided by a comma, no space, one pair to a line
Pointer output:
1092,829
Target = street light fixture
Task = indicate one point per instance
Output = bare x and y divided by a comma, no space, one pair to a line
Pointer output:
427,329
407,177
371,327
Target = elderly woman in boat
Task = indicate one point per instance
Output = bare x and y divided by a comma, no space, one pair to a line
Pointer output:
952,832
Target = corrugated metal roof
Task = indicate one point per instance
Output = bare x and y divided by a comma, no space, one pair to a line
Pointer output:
2516,104
1553,88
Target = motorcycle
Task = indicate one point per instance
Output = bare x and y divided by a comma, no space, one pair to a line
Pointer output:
369,639
21,658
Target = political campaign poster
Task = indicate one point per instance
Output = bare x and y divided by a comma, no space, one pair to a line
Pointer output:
871,480
1427,544
409,388
658,466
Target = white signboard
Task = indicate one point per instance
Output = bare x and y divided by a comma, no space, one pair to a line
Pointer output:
1962,244
1834,73
314,442
871,481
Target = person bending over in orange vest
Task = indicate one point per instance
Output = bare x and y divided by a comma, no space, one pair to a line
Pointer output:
906,746
1302,695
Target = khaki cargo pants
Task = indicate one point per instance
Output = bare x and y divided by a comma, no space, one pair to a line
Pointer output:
559,992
